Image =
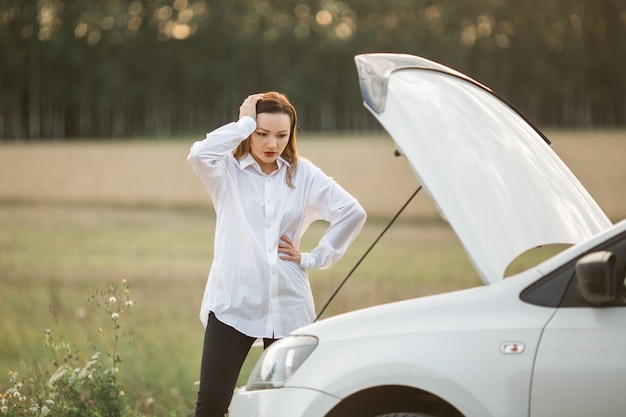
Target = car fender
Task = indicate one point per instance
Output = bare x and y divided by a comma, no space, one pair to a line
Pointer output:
466,368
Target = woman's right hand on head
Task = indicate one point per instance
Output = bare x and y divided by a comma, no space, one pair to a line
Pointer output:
248,107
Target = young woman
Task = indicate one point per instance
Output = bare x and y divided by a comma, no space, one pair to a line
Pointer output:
265,197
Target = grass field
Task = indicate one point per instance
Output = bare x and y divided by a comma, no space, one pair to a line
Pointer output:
76,216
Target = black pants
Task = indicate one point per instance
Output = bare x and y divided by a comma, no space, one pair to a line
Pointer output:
225,350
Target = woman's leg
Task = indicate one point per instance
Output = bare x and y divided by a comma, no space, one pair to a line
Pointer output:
225,350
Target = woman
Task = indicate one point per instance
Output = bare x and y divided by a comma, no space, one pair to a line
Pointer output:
265,197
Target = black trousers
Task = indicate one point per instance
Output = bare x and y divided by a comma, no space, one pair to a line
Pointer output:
225,350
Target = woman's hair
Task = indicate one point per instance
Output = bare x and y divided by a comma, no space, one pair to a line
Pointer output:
276,103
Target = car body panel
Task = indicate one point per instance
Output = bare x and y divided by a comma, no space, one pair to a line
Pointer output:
417,343
388,345
582,356
491,174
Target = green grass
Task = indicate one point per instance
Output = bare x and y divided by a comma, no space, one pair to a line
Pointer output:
53,257
75,217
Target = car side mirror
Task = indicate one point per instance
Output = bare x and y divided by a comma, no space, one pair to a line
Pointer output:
596,278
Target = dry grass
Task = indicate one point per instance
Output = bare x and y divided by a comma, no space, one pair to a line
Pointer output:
143,173
597,159
157,173
136,208
76,216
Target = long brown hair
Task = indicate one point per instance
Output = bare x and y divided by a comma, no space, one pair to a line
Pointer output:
276,103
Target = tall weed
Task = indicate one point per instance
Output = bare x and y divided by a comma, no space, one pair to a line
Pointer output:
72,383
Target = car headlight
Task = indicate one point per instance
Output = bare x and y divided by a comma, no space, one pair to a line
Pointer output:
280,361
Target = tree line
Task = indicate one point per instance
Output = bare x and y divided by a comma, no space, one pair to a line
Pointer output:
125,68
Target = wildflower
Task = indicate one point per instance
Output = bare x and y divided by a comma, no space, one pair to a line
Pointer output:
45,411
129,303
4,409
60,373
10,373
47,331
112,300
124,281
112,371
122,393
115,316
99,329
85,372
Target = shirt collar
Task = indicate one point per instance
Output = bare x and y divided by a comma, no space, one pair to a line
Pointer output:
249,160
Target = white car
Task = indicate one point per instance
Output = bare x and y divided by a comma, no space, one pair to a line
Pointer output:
549,341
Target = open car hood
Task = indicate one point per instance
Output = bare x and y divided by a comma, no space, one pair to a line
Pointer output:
491,173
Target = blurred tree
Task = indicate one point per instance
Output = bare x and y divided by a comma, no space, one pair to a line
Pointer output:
121,68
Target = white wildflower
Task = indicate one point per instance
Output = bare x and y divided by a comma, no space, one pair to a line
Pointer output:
129,303
74,375
112,300
112,371
115,316
45,411
60,373
4,409
85,372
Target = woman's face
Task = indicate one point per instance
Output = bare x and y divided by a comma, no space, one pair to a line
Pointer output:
269,139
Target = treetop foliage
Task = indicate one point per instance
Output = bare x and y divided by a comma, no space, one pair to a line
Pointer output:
103,68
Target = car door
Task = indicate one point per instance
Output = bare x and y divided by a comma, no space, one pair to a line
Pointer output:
580,368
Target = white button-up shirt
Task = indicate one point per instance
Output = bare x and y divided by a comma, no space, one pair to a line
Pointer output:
249,287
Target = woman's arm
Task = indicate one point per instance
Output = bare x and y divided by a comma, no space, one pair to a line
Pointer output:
219,143
346,218
206,154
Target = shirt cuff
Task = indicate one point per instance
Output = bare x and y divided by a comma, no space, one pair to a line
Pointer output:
306,261
247,124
